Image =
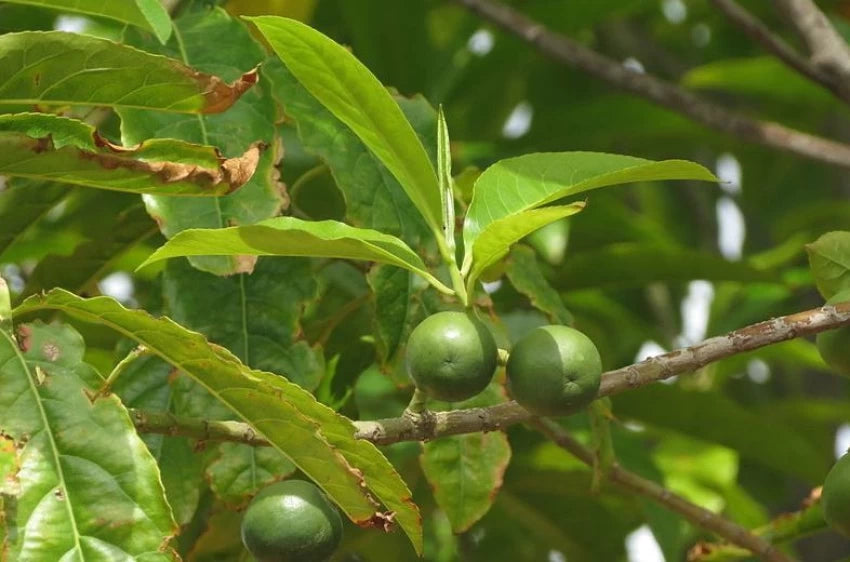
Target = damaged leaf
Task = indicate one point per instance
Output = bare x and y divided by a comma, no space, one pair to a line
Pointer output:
252,118
47,147
88,487
318,440
55,68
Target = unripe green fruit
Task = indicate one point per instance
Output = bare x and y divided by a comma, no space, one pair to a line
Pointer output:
291,521
554,370
835,496
834,345
451,356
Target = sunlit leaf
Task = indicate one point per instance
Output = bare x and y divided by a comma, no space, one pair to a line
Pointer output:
317,439
353,94
81,461
288,236
518,184
59,68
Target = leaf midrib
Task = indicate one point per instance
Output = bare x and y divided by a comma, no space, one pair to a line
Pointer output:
48,429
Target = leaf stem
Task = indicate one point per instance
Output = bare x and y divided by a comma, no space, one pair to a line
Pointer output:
122,365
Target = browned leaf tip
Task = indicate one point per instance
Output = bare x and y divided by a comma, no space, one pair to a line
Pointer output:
234,172
384,521
219,95
699,551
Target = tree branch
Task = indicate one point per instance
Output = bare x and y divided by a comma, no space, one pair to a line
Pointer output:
786,527
774,44
565,50
430,425
829,51
700,517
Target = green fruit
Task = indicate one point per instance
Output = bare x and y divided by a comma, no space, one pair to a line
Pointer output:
835,497
451,356
291,521
834,345
554,370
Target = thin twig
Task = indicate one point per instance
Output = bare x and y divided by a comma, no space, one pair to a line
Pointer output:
784,528
500,416
700,517
828,49
565,50
774,44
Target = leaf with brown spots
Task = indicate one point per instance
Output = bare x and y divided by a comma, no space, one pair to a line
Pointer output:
321,442
47,147
80,461
252,118
55,68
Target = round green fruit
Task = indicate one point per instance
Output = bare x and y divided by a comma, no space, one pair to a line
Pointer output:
451,356
291,521
835,496
834,345
554,370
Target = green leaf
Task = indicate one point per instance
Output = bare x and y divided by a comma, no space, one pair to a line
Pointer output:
393,291
252,118
373,197
146,384
82,461
444,177
59,68
525,275
714,418
5,305
149,15
638,264
288,236
317,439
256,317
47,147
518,184
466,473
829,259
359,100
494,242
23,204
240,471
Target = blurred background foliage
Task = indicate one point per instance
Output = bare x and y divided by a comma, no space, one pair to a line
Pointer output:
645,268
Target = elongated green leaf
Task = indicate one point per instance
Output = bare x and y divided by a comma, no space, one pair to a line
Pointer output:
525,275
47,147
252,118
358,99
525,182
466,472
829,258
317,439
494,242
289,236
58,68
145,14
373,197
82,462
